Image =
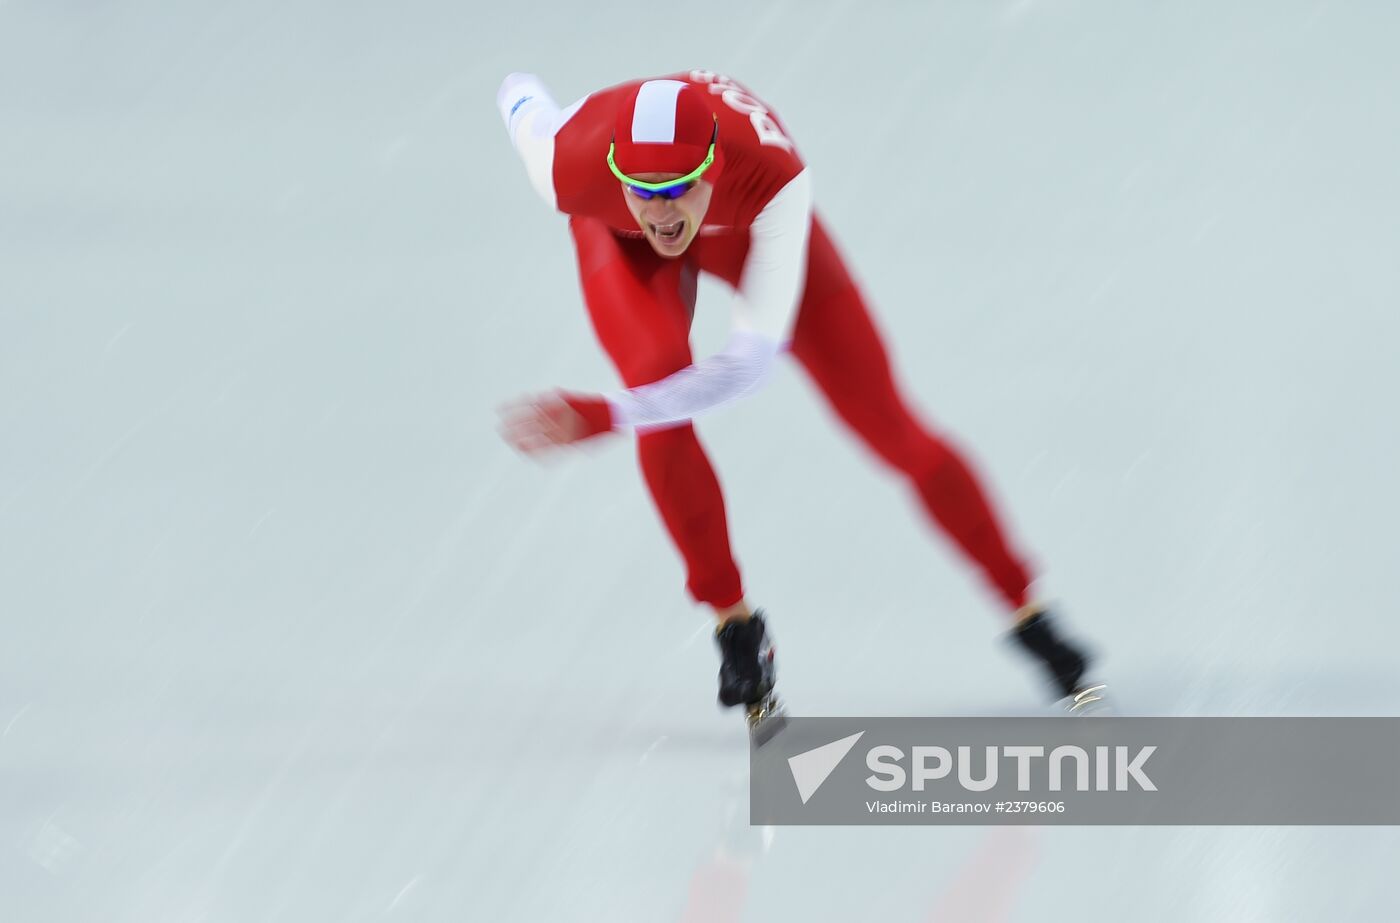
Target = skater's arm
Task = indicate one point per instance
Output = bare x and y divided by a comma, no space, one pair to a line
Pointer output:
726,376
770,288
769,292
532,120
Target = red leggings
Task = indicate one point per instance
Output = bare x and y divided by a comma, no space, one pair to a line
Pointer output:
641,307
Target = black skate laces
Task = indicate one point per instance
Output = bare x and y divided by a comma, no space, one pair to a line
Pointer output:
740,636
1037,635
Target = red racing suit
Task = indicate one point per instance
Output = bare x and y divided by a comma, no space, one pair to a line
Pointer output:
792,293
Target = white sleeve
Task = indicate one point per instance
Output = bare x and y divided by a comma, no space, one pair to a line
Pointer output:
775,271
532,120
739,369
770,291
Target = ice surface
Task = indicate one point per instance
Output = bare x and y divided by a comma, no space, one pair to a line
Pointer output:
289,634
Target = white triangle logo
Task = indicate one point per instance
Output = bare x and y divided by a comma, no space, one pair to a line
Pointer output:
810,769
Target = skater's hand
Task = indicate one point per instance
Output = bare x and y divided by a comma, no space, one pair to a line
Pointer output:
547,421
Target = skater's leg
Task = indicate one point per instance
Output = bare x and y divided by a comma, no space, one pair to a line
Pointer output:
641,306
687,494
837,343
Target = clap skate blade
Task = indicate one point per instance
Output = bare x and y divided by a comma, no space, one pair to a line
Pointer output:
765,718
1089,701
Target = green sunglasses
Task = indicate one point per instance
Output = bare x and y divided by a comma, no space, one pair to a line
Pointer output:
671,188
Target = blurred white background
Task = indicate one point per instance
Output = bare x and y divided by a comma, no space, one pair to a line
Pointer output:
289,634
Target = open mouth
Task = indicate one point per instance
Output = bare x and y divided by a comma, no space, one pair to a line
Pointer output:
669,233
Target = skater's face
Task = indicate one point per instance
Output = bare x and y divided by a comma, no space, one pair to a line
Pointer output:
669,225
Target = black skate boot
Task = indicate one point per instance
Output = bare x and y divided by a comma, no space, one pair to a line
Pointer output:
747,673
1065,663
